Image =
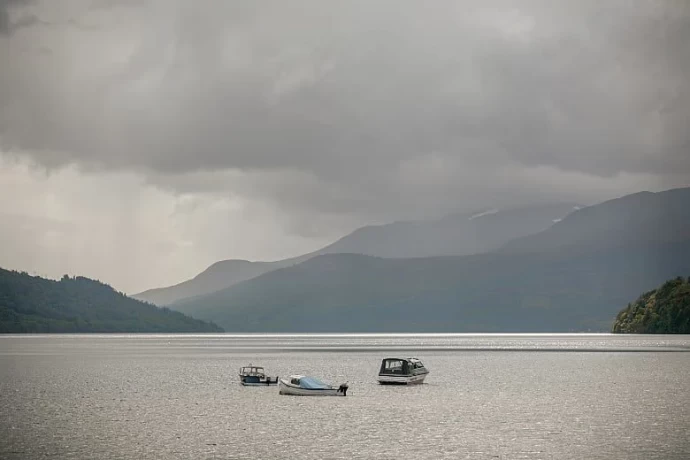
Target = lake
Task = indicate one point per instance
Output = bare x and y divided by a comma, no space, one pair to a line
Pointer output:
501,396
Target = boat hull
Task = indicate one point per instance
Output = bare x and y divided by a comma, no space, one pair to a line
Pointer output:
255,381
288,389
258,384
402,379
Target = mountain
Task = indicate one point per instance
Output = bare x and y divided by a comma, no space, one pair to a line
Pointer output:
34,304
457,234
665,310
218,276
557,280
639,218
546,292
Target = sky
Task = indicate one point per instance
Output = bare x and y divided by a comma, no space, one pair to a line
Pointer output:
141,141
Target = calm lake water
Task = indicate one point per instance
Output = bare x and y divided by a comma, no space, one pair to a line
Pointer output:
487,397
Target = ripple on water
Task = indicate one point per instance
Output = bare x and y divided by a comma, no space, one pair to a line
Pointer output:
177,397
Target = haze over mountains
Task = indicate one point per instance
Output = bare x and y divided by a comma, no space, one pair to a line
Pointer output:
456,234
557,280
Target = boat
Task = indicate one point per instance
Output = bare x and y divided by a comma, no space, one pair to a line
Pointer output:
302,385
255,376
402,371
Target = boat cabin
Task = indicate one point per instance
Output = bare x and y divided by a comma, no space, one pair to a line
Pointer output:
255,375
400,366
257,371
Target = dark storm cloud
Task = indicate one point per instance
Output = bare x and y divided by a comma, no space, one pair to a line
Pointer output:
383,98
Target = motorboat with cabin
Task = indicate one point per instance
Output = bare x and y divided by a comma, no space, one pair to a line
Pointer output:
402,371
302,385
255,376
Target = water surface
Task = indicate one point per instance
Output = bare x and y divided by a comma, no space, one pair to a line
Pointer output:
488,396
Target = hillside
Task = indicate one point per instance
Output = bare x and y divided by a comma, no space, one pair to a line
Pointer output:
572,277
33,304
218,276
665,310
555,292
640,218
457,234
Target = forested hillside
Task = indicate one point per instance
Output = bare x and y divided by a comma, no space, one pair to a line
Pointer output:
665,310
34,304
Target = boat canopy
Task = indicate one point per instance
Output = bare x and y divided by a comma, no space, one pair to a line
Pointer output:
310,383
252,370
400,366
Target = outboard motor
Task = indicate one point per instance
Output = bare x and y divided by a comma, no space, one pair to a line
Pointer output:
343,389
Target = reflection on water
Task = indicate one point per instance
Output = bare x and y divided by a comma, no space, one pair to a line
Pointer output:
213,343
488,396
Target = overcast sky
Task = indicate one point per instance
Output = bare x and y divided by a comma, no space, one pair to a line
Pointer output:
140,141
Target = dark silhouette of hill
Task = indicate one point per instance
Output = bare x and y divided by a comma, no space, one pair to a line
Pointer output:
34,304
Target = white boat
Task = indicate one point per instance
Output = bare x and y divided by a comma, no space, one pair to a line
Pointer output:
302,385
402,371
255,376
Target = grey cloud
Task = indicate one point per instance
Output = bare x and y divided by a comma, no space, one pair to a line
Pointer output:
7,26
358,98
107,4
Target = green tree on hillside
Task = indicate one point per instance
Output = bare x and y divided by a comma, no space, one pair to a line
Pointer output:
665,310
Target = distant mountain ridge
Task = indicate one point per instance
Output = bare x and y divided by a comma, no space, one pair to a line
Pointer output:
637,218
220,274
452,235
456,234
556,280
78,304
566,292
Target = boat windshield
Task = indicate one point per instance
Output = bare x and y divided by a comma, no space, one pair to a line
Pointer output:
252,370
393,366
312,383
